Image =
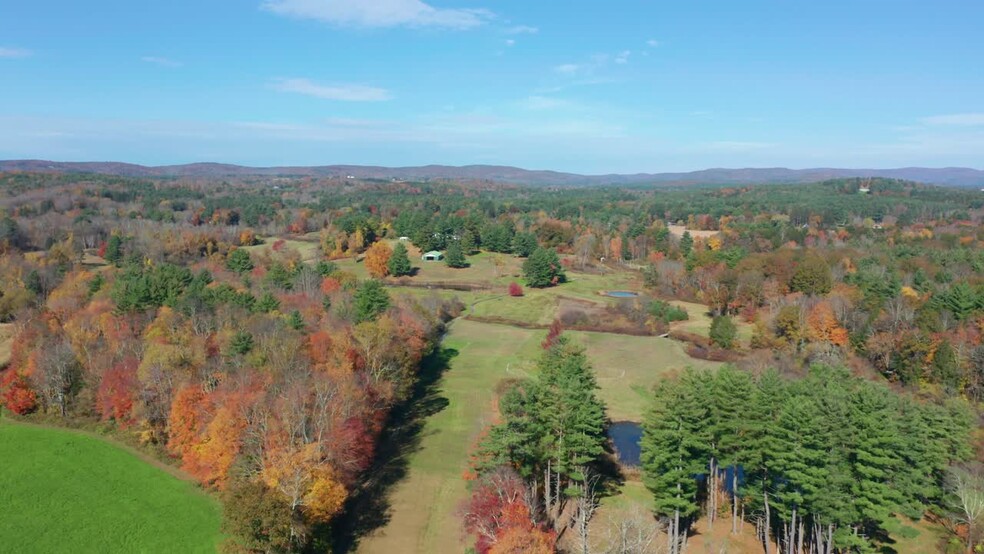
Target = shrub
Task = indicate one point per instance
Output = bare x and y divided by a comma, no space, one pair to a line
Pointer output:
666,312
515,289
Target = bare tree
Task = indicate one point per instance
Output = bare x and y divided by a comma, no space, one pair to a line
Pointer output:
585,506
59,374
633,532
966,483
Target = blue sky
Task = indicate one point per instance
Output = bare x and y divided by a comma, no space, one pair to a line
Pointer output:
594,87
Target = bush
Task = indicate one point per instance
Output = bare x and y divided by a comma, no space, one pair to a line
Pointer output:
666,312
515,289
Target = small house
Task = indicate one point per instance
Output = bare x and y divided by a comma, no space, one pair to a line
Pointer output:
433,256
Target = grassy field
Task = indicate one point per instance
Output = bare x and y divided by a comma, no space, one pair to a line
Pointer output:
6,341
423,506
700,323
627,367
62,491
308,248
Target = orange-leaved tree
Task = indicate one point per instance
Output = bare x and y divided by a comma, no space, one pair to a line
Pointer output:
823,326
377,259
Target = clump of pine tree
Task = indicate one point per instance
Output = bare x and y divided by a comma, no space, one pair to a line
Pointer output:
821,464
552,430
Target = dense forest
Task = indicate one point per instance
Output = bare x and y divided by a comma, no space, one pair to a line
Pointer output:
270,376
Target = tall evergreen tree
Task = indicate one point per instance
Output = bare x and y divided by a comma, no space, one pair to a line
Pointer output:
469,243
524,244
455,257
723,331
543,268
686,244
399,262
674,451
239,261
552,427
730,400
114,249
371,300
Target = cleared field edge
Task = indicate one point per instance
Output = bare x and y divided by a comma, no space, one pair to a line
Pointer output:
6,342
53,443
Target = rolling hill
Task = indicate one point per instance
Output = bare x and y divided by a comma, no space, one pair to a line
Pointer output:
952,176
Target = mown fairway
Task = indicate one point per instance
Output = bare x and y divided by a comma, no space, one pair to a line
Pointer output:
423,506
62,491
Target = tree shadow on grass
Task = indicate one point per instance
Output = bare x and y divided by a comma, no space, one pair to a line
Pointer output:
368,508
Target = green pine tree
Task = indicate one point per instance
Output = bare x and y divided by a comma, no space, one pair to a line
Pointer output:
242,343
686,244
469,243
266,304
524,244
454,256
399,262
239,261
371,300
114,250
295,320
723,331
543,269
674,451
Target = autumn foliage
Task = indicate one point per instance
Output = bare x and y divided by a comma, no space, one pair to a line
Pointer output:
117,390
553,332
377,259
497,513
823,326
515,289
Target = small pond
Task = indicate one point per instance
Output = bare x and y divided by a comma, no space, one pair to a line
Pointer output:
621,294
626,436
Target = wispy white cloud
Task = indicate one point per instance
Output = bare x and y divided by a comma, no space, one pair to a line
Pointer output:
567,68
955,120
343,92
653,43
510,42
538,102
379,13
623,57
161,61
738,145
356,122
522,30
14,52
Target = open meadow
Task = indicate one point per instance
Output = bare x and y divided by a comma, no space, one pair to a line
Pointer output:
423,507
6,341
64,491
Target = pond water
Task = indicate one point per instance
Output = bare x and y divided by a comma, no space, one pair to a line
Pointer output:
621,294
625,437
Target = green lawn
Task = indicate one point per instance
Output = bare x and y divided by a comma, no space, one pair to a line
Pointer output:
308,248
699,322
627,367
62,491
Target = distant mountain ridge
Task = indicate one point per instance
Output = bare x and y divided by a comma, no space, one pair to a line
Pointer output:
953,176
